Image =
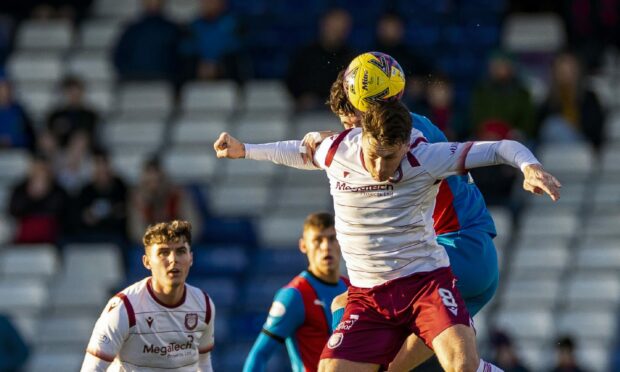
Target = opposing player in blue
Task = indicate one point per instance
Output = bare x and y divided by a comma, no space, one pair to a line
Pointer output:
300,315
462,223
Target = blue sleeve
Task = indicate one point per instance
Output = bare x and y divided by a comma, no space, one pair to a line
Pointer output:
337,318
13,349
285,316
430,130
260,353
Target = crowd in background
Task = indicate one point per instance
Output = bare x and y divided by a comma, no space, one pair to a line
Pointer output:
72,194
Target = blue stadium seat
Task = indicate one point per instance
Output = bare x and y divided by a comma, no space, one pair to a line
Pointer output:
223,291
219,259
260,289
279,261
229,230
422,34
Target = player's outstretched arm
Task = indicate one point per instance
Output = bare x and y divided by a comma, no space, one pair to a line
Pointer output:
287,153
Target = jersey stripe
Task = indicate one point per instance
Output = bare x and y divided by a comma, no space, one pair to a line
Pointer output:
273,335
334,147
208,310
130,312
100,355
463,157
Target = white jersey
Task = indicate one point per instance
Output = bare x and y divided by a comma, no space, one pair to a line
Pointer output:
385,229
136,332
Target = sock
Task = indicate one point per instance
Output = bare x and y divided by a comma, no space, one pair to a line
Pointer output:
488,367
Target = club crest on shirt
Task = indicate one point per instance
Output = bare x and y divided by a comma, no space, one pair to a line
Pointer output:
335,340
191,321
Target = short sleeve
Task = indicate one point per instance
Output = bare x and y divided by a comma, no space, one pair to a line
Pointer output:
442,159
286,313
321,153
111,329
207,340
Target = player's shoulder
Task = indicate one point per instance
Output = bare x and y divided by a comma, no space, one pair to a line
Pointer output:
199,295
339,145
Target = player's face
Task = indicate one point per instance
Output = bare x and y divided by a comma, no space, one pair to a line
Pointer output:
382,161
169,263
323,251
350,121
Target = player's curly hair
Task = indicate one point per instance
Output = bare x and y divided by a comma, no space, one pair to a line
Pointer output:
168,232
338,101
388,122
319,221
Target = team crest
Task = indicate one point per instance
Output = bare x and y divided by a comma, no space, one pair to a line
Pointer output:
191,321
335,340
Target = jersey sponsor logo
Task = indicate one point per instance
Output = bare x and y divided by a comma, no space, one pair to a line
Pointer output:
335,340
448,300
149,321
166,349
277,309
347,324
345,187
191,321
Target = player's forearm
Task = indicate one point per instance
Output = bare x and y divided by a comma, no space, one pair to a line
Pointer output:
501,152
283,152
259,355
204,363
93,363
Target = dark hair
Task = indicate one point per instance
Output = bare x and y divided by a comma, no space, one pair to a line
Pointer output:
319,220
72,82
153,162
168,232
388,122
565,342
338,101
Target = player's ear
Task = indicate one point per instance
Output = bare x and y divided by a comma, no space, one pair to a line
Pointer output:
146,262
302,246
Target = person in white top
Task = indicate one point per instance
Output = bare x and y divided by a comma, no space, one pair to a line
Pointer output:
159,323
383,179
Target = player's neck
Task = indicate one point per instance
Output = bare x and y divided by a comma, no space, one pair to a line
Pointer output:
329,278
167,295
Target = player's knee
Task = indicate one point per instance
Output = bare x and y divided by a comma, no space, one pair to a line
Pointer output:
339,301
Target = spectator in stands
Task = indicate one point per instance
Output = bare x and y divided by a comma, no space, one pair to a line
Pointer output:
390,40
102,204
438,106
502,102
505,356
156,199
313,68
571,112
16,129
73,165
566,360
147,48
73,10
215,43
73,114
13,349
39,204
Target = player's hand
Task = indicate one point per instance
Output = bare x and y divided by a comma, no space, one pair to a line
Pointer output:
538,181
310,142
227,146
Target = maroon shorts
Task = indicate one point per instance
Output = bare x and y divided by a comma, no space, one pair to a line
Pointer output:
377,320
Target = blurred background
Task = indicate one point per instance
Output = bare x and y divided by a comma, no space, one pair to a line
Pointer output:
109,108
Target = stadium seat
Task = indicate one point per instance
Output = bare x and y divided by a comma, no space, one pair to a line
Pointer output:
572,194
503,220
5,196
267,95
297,177
14,165
220,260
595,355
303,199
31,67
315,122
223,291
22,297
259,128
527,324
143,134
79,294
93,67
78,264
116,9
269,261
128,164
197,130
259,291
568,159
539,262
54,35
542,32
190,166
593,325
27,326
55,361
66,332
280,230
248,172
7,229
98,34
38,261
182,11
101,98
151,97
603,222
37,98
240,199
593,291
610,163
536,355
552,223
599,256
213,97
526,293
